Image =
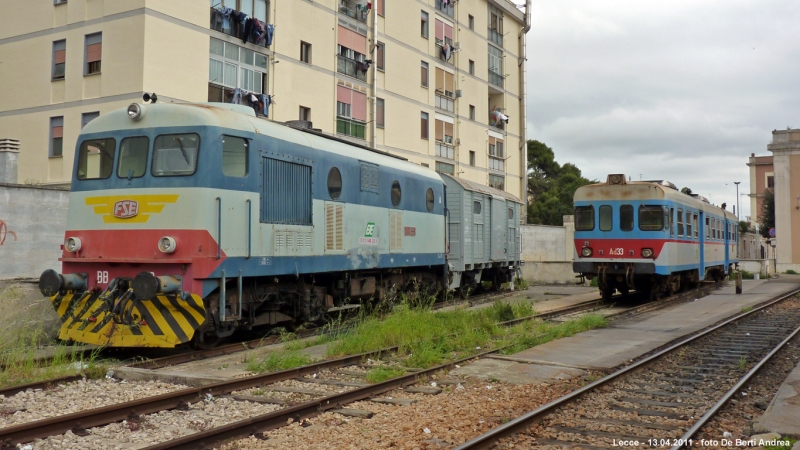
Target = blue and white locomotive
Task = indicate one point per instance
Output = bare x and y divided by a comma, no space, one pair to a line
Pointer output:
188,222
650,237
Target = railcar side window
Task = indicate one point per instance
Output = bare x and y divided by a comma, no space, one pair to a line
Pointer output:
234,156
476,207
680,222
510,213
584,218
133,157
96,159
696,230
606,219
708,231
175,154
429,199
688,224
626,217
671,222
334,183
651,218
396,193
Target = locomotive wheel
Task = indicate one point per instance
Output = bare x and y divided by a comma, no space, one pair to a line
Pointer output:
205,341
607,292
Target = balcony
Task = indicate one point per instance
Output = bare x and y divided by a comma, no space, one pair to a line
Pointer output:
445,9
445,149
445,102
349,67
440,53
495,36
230,27
353,10
496,79
350,127
496,164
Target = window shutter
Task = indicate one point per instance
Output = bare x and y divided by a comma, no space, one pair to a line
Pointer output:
58,132
424,78
448,129
448,31
94,52
61,56
359,106
439,130
439,79
379,62
344,95
448,82
379,5
439,30
380,114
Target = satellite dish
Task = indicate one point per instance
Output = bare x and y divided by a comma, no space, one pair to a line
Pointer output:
371,48
148,97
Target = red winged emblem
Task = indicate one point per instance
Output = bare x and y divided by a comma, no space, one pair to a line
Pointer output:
125,209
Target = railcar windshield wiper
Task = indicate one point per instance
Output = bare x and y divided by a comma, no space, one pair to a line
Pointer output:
183,151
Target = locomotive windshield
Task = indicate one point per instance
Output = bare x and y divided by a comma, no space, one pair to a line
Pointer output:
584,218
651,218
133,157
175,154
96,159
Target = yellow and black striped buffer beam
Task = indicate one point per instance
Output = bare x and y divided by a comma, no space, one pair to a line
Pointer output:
164,321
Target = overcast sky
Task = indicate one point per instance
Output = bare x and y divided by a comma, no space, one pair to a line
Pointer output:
680,90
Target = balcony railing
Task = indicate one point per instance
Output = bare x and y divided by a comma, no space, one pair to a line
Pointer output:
444,102
496,164
231,27
444,150
354,10
495,79
496,37
446,9
349,67
350,127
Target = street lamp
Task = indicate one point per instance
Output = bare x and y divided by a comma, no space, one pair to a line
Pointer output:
738,206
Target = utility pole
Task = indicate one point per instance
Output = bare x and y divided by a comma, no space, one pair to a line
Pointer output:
738,207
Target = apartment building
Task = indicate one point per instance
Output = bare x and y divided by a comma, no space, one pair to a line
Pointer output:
439,82
785,148
762,177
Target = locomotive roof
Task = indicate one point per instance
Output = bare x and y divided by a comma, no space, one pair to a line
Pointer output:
476,187
643,190
240,117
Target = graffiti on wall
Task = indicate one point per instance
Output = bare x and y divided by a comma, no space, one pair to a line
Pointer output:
4,232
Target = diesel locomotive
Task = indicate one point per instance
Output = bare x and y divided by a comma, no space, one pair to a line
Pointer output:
650,237
189,222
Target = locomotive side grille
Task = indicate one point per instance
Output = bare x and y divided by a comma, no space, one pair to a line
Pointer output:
333,227
395,231
286,189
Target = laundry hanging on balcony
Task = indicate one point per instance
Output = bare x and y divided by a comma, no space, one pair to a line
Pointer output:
497,118
447,51
363,66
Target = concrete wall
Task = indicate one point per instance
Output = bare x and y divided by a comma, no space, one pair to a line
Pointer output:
548,252
32,221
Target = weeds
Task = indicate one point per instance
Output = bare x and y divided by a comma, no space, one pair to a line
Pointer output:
281,360
791,441
791,272
747,275
747,309
380,374
742,363
532,333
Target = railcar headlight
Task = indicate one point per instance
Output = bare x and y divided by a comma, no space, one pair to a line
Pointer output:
586,252
135,111
167,244
647,252
72,244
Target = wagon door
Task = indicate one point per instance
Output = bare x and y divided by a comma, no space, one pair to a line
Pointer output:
726,234
477,228
703,233
498,232
511,233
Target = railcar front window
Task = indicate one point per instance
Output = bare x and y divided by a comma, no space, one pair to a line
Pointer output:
175,154
584,218
606,218
234,156
133,157
651,218
626,217
96,159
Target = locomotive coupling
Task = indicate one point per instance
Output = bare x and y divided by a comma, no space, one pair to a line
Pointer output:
146,285
52,282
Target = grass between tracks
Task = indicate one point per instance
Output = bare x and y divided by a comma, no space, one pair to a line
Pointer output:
426,338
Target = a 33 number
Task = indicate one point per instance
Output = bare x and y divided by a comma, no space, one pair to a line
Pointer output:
616,251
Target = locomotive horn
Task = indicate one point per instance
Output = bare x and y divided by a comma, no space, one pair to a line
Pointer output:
148,97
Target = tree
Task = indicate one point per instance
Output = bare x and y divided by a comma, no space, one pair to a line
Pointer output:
766,216
551,186
744,227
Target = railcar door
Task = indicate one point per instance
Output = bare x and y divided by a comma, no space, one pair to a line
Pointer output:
511,233
498,231
477,224
701,271
726,233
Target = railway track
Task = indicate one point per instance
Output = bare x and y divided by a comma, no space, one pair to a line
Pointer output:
664,399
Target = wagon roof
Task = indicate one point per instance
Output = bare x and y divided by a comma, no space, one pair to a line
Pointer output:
476,187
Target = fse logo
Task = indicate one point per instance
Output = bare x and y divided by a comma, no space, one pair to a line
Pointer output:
370,229
126,209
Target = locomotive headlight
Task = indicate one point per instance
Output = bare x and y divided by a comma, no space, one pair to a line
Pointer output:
167,244
647,252
72,244
586,252
135,111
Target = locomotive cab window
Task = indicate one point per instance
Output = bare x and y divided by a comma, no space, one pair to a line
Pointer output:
606,218
334,183
396,193
680,222
96,159
133,157
671,222
696,230
667,221
584,218
688,224
651,218
175,154
708,231
429,200
234,156
626,217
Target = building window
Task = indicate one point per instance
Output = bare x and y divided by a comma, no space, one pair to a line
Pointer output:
445,168
379,5
495,66
424,25
424,74
445,83
56,137
471,112
424,125
445,6
379,62
351,112
305,114
305,52
88,117
444,139
471,22
231,66
471,158
93,53
497,182
379,113
59,59
770,182
351,62
471,67
495,25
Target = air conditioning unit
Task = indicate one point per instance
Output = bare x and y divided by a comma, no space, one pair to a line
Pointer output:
457,46
458,141
458,93
58,2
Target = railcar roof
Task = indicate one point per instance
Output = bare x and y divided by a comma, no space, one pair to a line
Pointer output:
240,117
476,187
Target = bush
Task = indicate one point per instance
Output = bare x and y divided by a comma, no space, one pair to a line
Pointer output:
747,275
791,272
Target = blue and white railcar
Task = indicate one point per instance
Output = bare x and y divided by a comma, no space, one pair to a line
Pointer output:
649,236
